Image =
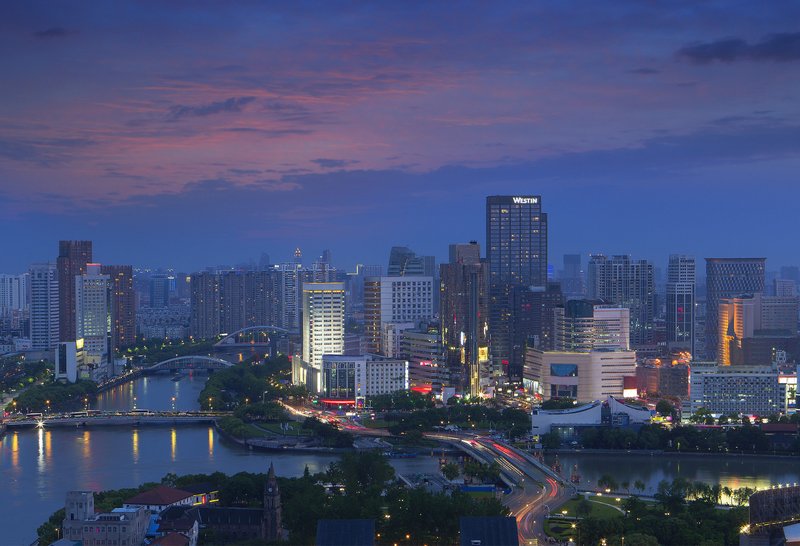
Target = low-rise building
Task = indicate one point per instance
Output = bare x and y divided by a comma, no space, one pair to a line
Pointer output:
352,379
568,422
121,526
160,498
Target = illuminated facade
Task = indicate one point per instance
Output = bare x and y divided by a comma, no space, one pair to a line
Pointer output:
347,379
728,278
93,318
749,390
323,327
516,253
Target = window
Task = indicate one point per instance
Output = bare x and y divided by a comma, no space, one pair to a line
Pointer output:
564,370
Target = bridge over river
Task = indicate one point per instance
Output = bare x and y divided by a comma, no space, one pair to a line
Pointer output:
101,419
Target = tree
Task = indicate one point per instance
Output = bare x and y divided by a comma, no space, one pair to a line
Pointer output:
664,408
584,508
451,471
639,485
607,481
551,440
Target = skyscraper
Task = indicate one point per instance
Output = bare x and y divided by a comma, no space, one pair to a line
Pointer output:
323,330
44,306
204,314
404,262
394,299
159,291
71,262
123,304
629,283
726,278
680,302
13,293
93,318
516,237
572,283
463,311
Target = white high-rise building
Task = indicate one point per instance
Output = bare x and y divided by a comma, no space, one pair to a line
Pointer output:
323,330
394,299
93,318
13,293
44,305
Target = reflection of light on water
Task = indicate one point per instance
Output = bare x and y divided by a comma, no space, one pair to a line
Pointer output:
174,442
210,442
40,459
87,448
135,445
15,450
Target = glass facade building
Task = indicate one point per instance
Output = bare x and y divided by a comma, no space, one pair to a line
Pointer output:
680,302
516,251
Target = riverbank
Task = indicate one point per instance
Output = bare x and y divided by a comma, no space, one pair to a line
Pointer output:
661,452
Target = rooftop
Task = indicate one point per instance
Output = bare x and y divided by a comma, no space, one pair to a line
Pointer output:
159,496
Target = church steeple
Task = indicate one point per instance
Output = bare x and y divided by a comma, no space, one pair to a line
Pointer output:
271,520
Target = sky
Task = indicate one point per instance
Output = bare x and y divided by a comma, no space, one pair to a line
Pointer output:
194,133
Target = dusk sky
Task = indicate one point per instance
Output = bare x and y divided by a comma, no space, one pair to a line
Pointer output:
190,133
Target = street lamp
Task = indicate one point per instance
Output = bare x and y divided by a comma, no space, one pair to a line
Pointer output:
48,405
210,407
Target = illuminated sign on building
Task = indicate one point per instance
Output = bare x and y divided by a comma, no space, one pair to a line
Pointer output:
525,200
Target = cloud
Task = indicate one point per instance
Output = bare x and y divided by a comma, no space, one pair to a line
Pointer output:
233,104
53,32
781,47
334,163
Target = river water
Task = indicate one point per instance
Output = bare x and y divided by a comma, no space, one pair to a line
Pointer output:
38,467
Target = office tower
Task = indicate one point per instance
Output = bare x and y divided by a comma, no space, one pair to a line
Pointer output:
71,262
291,282
533,317
323,331
394,299
428,371
680,302
726,278
13,293
516,237
44,306
629,283
403,262
94,318
463,312
123,304
159,291
204,315
752,327
572,284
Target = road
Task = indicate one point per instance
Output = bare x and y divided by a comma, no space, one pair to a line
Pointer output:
538,491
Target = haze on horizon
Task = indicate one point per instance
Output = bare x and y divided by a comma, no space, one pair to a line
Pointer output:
192,134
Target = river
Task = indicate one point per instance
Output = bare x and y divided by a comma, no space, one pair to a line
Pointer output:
38,467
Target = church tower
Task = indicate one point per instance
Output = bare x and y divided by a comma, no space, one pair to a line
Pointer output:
271,519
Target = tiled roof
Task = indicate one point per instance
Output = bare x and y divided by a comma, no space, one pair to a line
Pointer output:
160,495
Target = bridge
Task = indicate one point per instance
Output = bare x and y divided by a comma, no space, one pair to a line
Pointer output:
195,362
252,336
133,418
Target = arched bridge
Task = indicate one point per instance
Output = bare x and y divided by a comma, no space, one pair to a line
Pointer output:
252,335
190,363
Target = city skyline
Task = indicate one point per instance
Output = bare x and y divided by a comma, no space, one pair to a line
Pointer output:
233,130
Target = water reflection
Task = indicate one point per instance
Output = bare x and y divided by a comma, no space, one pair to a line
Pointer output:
211,443
135,450
173,441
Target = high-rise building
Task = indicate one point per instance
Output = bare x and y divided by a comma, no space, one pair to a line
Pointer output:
680,302
159,291
71,262
204,315
785,288
394,299
748,322
572,283
44,306
582,326
323,330
94,318
727,278
426,356
123,304
13,293
533,312
516,238
229,301
404,262
290,295
629,283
